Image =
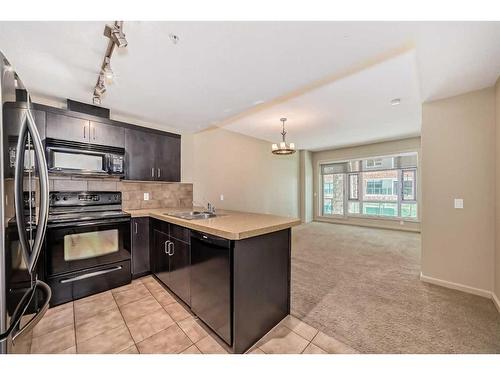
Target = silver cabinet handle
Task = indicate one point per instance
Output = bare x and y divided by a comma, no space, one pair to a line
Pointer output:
94,132
171,251
159,172
167,243
135,227
152,172
84,131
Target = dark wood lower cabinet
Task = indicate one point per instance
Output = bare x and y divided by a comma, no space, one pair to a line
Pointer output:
179,281
171,260
159,254
140,246
257,273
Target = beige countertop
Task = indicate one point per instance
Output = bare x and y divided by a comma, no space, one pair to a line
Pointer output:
233,225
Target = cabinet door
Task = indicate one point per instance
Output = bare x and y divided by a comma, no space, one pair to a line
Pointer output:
160,257
179,270
168,161
140,246
140,155
108,135
67,128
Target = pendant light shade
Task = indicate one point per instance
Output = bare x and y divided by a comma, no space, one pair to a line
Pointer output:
283,148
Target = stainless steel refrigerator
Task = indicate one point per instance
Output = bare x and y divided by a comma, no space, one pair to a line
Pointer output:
24,189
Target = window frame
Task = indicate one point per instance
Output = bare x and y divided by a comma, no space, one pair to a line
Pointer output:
347,197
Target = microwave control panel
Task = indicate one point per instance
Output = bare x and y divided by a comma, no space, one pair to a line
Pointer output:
116,163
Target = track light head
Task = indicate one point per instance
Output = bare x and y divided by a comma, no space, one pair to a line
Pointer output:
96,99
100,88
116,34
107,71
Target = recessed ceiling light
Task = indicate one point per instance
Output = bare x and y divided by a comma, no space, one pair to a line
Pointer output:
396,101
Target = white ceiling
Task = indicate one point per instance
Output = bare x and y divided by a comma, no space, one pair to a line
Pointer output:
219,70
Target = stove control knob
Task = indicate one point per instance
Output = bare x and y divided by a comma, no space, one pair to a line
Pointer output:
57,198
65,198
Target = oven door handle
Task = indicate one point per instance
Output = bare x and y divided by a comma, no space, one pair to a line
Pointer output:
88,223
91,274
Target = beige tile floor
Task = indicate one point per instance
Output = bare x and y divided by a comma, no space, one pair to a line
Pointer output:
143,317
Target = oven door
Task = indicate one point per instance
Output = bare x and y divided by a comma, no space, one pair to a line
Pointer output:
69,160
77,246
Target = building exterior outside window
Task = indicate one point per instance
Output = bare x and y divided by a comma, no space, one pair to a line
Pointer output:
383,187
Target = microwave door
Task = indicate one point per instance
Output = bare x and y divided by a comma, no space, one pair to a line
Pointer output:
71,161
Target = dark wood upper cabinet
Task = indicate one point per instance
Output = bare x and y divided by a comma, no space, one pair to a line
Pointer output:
152,156
140,155
108,135
67,128
168,160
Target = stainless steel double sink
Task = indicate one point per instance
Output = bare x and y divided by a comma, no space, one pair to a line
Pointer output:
192,215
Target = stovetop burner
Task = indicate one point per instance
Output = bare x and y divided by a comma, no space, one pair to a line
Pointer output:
79,206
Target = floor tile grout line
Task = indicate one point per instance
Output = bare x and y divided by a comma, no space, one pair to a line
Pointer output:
125,322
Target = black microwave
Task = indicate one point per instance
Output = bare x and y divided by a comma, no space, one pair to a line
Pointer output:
84,159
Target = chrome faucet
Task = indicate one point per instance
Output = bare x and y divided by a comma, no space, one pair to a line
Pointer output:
210,208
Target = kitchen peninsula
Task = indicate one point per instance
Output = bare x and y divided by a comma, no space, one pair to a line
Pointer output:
232,270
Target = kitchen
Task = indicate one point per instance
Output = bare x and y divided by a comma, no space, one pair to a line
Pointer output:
234,188
106,231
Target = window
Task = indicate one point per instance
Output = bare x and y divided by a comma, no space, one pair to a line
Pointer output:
333,194
373,163
384,187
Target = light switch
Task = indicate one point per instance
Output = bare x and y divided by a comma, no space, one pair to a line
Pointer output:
146,196
459,203
222,197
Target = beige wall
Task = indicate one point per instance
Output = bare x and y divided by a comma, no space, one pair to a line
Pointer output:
458,161
370,150
306,186
244,170
497,231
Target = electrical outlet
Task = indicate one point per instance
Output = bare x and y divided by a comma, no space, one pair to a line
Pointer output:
146,196
222,197
459,203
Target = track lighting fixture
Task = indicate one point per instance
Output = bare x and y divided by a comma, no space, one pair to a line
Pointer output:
116,38
108,72
100,88
96,99
115,33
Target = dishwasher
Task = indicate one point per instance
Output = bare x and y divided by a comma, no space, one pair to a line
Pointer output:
211,282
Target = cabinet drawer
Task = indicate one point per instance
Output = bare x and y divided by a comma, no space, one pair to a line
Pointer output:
82,284
180,233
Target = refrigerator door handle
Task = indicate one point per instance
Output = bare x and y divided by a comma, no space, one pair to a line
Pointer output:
28,127
20,311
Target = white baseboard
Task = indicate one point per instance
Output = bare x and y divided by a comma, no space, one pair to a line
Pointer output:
456,286
496,301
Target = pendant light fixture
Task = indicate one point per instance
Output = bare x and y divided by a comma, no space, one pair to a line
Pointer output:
283,148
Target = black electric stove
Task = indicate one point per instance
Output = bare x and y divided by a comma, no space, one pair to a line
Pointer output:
87,244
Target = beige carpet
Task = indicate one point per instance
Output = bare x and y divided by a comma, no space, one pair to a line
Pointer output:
362,286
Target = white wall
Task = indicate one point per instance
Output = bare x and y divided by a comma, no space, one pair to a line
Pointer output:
306,186
244,170
458,161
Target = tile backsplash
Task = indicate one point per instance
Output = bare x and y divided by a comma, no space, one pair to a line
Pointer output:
161,194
